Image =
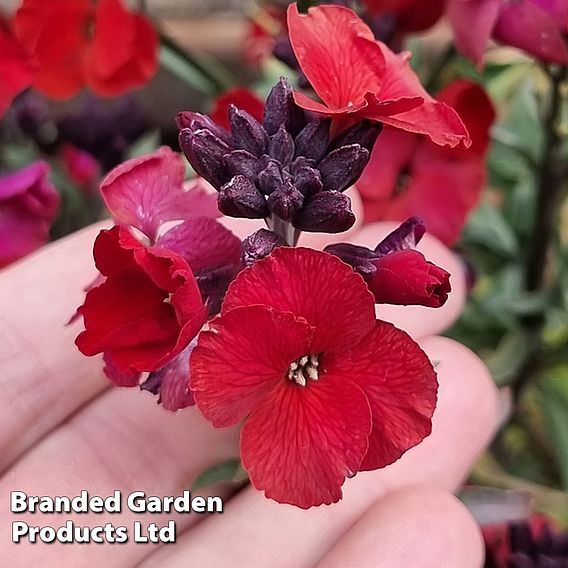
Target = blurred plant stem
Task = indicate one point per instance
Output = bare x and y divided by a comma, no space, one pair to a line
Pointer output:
446,57
552,176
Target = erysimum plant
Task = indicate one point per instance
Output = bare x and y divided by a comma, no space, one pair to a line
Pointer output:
281,338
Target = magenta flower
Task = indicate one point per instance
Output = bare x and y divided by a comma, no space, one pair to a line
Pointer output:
28,205
535,26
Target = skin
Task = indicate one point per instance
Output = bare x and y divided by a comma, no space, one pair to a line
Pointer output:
64,429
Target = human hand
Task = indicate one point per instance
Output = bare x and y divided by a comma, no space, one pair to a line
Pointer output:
63,429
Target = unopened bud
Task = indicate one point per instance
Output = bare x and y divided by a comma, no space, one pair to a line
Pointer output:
343,167
308,180
281,146
240,198
270,177
325,212
197,121
259,245
313,140
241,162
248,133
281,110
285,201
364,133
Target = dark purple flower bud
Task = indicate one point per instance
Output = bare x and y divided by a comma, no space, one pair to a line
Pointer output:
248,133
240,198
313,140
364,133
281,146
241,162
308,180
360,258
325,212
205,152
213,284
259,245
285,201
197,121
343,167
406,236
171,382
271,177
281,110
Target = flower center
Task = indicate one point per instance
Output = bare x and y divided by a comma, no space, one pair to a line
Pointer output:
303,369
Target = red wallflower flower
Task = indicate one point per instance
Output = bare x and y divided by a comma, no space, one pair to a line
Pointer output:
77,44
408,175
146,311
535,26
15,69
325,389
28,206
358,77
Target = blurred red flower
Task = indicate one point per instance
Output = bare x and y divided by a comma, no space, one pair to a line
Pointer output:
410,176
358,77
75,44
535,26
15,69
325,389
28,206
146,311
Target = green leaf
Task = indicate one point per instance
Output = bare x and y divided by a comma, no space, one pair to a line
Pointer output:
554,400
487,227
511,353
230,471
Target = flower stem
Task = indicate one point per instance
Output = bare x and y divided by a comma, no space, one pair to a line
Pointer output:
551,180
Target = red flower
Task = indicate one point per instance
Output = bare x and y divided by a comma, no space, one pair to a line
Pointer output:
325,389
15,69
535,26
243,99
146,311
77,44
406,278
28,206
408,175
357,77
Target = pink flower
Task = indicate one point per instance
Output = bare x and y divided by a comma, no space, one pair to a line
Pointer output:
408,175
535,26
28,206
324,388
357,77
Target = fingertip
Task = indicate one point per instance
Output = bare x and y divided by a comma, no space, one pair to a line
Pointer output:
416,526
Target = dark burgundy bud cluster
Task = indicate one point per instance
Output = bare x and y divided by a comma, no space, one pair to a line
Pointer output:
288,167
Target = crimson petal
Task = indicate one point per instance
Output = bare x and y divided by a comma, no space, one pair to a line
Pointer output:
401,386
301,443
313,285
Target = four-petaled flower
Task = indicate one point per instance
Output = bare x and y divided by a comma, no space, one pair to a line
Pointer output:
324,388
358,77
77,44
147,309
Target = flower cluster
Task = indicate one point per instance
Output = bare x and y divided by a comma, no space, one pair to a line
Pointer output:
282,339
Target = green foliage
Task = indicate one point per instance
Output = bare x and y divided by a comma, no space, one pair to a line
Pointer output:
229,471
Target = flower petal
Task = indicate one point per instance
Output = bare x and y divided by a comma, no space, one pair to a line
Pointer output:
243,99
401,386
432,118
148,191
241,357
473,22
344,67
302,442
312,285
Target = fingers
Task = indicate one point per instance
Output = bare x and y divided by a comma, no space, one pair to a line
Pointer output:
37,354
419,527
123,441
255,531
417,320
